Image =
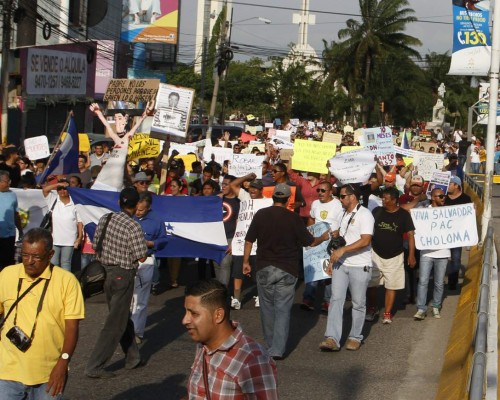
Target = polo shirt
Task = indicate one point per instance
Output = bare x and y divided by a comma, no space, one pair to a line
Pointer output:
65,220
63,300
8,206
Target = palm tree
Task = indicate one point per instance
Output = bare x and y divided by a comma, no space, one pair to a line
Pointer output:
365,47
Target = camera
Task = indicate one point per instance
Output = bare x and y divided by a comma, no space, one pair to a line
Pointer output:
19,338
335,244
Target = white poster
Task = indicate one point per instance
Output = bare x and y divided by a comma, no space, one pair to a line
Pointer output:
248,208
37,147
220,154
53,72
281,144
353,167
404,152
244,164
379,140
316,259
427,163
440,180
445,227
183,149
283,135
173,110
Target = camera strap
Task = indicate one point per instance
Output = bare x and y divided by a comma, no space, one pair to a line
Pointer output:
350,219
40,302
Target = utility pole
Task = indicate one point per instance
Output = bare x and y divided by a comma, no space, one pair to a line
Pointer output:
218,72
204,49
4,79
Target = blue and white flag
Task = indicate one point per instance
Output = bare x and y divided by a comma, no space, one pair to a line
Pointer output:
193,225
65,160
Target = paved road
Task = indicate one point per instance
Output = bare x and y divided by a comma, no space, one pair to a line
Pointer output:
400,361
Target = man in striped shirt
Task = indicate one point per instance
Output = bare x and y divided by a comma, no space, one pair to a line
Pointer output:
228,364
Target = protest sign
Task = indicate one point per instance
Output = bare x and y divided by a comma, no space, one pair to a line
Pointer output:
427,163
269,125
281,144
353,167
271,133
358,133
182,149
251,129
132,90
173,110
286,154
267,191
187,159
405,152
331,137
244,164
379,141
245,137
283,135
294,121
347,149
445,227
319,124
312,156
311,125
141,145
220,154
251,145
348,129
316,259
439,180
37,147
248,208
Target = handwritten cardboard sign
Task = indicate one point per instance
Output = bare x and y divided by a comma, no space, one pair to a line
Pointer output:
37,147
141,145
312,156
353,167
132,90
244,164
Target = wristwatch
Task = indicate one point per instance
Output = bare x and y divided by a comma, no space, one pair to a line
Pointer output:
65,356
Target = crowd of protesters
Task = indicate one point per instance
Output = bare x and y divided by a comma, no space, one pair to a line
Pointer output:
364,214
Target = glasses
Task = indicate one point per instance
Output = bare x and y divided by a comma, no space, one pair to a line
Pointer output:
343,196
321,190
59,188
35,257
276,171
142,182
441,196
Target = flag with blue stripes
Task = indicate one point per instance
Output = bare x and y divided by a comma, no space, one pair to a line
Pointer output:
193,225
65,160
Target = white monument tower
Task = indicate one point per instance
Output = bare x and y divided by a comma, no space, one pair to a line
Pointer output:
302,49
207,13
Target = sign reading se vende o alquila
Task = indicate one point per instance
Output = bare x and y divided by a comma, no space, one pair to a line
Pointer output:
56,72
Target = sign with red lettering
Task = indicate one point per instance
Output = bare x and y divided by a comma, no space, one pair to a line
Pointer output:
37,147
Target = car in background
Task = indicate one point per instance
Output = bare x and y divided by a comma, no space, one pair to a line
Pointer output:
199,132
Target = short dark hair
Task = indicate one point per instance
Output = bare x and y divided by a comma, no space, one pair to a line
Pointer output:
36,235
281,200
83,157
230,178
208,169
146,197
391,191
327,184
351,188
212,293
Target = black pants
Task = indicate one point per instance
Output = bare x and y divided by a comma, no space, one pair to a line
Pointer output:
118,328
8,250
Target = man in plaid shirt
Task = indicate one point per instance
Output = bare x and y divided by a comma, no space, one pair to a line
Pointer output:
228,364
122,249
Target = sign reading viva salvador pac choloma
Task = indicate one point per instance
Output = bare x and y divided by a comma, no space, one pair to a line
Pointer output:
445,227
471,38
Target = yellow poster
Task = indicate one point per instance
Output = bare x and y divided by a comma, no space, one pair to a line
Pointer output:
142,146
188,159
312,156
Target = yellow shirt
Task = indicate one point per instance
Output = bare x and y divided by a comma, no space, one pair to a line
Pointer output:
63,300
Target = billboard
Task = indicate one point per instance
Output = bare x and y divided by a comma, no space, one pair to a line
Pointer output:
471,38
59,70
150,21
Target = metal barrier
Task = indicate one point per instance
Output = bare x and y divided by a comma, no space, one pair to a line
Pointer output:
475,184
478,369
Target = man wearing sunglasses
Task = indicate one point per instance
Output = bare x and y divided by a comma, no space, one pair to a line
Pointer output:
141,182
351,267
436,260
326,209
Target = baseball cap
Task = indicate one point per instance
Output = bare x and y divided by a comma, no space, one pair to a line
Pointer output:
282,191
456,180
257,183
417,179
129,197
140,176
390,177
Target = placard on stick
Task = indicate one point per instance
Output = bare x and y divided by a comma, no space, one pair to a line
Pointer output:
132,90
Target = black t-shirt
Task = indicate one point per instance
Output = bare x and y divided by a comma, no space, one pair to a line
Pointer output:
230,210
462,199
463,146
280,235
387,239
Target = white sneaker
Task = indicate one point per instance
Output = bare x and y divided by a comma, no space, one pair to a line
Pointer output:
420,315
235,303
436,313
257,303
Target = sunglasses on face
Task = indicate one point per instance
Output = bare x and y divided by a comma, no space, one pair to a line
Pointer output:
343,196
321,190
142,182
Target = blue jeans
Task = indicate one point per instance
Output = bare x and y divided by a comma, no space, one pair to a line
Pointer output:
11,390
356,279
140,298
276,290
86,259
310,291
474,168
62,256
426,266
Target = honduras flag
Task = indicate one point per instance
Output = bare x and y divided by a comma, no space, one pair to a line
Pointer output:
404,143
193,225
65,160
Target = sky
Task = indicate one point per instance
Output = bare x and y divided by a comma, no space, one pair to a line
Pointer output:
281,32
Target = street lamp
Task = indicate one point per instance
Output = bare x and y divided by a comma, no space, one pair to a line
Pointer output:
262,19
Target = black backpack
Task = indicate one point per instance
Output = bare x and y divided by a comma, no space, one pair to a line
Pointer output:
93,276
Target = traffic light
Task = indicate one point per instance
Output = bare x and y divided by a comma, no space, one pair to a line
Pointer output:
382,107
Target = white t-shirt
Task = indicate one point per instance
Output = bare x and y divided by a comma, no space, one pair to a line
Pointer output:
64,221
327,212
361,224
